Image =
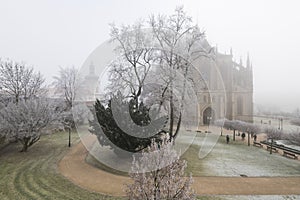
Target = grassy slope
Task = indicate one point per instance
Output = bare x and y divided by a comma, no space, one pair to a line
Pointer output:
34,175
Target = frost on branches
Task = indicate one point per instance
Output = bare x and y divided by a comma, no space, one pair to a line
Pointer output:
159,174
26,120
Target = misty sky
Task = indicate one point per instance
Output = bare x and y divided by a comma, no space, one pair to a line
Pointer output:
49,34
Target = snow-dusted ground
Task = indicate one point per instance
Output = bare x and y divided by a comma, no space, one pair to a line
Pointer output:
219,158
236,158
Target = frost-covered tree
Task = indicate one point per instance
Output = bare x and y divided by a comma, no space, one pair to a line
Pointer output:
19,81
67,83
3,130
180,41
159,174
273,133
128,73
293,137
160,54
237,125
26,120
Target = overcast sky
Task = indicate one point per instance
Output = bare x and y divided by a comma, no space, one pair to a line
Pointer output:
49,34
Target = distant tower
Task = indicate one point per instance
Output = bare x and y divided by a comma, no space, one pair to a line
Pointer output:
91,82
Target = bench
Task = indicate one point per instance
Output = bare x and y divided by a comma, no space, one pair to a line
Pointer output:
257,144
273,149
198,131
289,154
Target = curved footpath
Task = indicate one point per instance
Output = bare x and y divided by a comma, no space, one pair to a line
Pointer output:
74,167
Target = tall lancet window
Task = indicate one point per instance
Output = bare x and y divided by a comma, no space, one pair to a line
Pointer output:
240,106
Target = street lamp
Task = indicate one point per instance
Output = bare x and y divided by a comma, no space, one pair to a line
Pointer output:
67,122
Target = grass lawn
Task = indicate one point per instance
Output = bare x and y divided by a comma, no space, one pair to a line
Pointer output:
34,175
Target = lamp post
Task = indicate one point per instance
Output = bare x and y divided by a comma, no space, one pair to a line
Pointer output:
69,136
68,125
221,130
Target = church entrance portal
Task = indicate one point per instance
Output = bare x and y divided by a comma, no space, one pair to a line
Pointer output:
208,116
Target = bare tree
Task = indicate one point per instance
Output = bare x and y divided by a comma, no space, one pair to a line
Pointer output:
159,174
18,81
67,83
180,42
242,126
273,133
170,45
137,55
3,130
293,137
26,120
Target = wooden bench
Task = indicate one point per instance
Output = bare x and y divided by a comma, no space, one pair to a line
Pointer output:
257,144
273,149
289,154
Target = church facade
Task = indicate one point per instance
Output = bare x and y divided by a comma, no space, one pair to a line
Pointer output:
228,91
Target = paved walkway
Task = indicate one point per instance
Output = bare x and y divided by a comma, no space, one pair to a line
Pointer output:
74,167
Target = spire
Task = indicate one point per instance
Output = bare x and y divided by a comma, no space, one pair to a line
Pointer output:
241,62
231,51
248,61
216,48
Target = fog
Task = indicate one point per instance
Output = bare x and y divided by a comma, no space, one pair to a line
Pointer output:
49,34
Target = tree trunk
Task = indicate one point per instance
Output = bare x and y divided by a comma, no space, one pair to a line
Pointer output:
233,134
177,128
271,146
248,139
171,116
25,147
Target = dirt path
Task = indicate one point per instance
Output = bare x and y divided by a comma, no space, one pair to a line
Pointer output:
74,167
